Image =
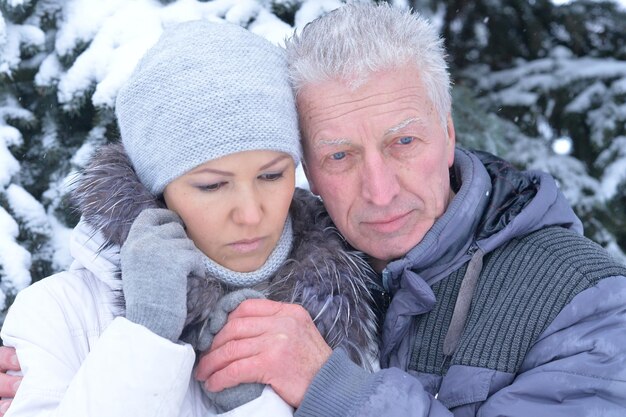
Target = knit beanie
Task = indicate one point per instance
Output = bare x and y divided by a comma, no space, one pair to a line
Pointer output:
203,91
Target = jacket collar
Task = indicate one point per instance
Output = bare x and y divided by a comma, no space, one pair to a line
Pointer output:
494,203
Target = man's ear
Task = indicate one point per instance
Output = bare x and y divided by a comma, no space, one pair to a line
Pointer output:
451,140
312,187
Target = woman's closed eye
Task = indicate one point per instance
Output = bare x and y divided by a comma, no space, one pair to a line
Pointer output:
211,187
271,176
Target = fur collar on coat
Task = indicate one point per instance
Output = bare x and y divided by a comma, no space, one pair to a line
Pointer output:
321,274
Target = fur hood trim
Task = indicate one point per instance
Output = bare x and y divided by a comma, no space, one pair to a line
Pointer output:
322,274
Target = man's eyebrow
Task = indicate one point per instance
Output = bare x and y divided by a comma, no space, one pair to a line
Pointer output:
331,142
404,124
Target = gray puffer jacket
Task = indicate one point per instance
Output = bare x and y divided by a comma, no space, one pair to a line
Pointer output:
503,309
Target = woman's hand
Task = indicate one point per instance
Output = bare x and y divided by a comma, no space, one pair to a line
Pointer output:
236,396
157,258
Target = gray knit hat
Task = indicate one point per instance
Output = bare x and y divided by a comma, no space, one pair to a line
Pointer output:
203,91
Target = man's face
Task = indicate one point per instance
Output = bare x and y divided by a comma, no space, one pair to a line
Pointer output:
379,158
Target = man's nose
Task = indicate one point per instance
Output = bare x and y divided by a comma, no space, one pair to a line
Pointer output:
380,182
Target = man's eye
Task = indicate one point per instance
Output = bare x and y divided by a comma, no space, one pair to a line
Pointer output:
337,156
406,140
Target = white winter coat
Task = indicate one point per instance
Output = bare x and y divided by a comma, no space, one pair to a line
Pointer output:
79,359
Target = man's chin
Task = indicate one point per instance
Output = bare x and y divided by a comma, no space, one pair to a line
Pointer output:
381,257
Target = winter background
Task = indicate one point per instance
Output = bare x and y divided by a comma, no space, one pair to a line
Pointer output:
541,83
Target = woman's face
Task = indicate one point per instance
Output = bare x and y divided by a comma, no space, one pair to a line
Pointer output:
234,207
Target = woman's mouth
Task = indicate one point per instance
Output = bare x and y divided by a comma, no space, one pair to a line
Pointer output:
245,246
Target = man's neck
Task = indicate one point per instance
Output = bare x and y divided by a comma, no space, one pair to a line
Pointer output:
377,264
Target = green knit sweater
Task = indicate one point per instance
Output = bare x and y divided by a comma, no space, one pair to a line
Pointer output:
523,286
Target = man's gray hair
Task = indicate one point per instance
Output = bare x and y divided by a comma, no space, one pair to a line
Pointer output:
356,40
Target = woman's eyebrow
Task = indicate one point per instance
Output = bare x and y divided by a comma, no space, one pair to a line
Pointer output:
232,174
273,161
213,171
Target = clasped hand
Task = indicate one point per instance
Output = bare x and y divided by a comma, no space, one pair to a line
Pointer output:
267,342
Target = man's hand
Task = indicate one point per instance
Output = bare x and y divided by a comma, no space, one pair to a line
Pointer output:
8,383
267,342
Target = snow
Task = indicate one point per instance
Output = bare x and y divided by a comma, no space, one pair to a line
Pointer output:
31,36
586,99
60,238
614,168
541,75
27,209
114,51
242,12
117,41
9,46
622,3
10,165
81,157
9,136
83,19
311,10
619,86
14,37
271,28
15,260
15,3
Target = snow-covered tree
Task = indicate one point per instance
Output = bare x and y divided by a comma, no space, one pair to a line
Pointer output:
28,151
579,102
565,96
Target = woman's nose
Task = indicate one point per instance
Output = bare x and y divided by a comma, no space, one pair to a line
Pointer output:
248,209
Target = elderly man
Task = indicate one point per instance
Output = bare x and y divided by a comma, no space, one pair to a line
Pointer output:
491,302
498,305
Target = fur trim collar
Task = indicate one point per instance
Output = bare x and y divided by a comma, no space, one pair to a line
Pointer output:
322,274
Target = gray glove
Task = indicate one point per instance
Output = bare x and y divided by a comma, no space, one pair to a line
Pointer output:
156,259
230,398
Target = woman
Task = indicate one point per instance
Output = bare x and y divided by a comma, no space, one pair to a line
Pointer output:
199,196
